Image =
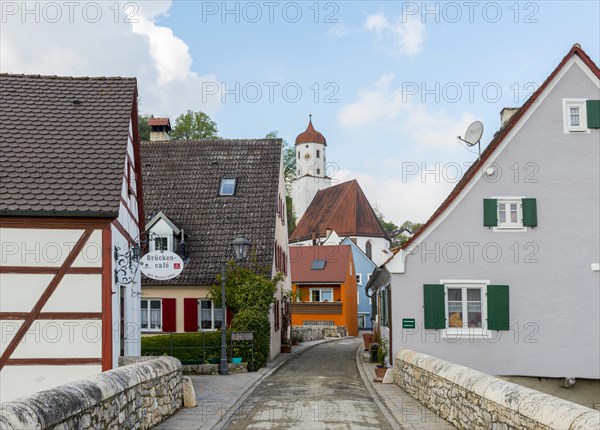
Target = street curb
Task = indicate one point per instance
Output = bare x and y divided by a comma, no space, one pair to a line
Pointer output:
379,401
224,422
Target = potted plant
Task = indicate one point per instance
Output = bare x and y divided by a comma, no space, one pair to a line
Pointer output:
297,338
382,353
367,339
286,346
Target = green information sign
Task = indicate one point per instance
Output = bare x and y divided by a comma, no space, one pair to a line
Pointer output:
408,323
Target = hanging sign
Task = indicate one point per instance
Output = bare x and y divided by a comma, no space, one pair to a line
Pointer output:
161,265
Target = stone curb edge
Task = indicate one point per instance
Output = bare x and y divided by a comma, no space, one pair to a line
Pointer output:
224,422
379,401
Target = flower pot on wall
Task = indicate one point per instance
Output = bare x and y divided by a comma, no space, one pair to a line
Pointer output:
380,372
367,338
236,360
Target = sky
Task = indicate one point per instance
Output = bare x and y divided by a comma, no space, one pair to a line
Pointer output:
389,84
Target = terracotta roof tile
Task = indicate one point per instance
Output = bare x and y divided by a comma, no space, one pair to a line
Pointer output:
336,263
64,142
159,122
343,208
182,178
310,135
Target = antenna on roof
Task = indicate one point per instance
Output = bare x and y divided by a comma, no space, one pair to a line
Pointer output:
473,135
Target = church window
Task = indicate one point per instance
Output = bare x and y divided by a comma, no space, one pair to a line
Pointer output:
318,153
298,155
369,250
318,171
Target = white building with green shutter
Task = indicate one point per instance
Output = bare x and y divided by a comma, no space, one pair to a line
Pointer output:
504,276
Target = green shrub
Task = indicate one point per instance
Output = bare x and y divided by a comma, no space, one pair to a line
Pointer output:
252,319
197,347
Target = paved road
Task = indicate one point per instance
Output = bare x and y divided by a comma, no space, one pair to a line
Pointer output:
319,389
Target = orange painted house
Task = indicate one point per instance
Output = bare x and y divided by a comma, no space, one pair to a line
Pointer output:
324,284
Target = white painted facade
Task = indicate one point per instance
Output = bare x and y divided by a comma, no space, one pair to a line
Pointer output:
554,292
311,174
56,341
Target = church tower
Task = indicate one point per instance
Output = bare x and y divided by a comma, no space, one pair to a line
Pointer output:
311,164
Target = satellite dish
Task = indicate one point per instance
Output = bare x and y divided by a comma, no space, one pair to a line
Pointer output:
473,133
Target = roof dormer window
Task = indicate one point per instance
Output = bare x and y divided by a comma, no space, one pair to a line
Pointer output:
228,186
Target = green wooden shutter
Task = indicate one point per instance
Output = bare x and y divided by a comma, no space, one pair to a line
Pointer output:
498,307
529,212
593,113
490,212
434,306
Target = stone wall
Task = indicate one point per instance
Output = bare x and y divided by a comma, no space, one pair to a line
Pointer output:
308,332
470,399
137,396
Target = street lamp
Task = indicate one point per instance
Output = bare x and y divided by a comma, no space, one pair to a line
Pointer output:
240,246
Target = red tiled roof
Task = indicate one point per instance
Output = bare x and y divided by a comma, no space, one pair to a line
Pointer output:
501,135
310,135
159,122
343,208
63,144
336,257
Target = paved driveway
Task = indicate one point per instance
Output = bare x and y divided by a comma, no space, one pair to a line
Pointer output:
319,389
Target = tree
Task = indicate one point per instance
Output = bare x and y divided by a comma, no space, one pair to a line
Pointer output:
143,127
388,226
194,125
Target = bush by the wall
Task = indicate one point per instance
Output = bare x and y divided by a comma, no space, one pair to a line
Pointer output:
196,347
254,320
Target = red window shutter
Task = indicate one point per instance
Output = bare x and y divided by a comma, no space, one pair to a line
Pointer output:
190,315
168,315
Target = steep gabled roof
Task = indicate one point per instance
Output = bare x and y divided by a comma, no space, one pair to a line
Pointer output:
343,208
501,135
64,144
336,259
182,179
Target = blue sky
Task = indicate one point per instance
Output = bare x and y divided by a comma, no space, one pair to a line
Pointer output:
389,84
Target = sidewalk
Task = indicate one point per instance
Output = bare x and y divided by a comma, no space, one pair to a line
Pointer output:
220,396
401,410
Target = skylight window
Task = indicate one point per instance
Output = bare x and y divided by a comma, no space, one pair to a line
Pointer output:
227,187
318,265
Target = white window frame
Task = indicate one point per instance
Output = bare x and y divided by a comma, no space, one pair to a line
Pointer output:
509,226
359,278
321,290
222,183
212,315
575,103
148,308
169,242
358,297
466,332
364,318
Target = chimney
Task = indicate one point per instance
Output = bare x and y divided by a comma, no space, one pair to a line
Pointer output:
159,129
327,232
314,238
506,114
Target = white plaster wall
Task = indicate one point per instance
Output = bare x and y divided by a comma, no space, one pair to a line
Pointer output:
132,294
75,293
47,247
554,294
281,237
54,339
19,381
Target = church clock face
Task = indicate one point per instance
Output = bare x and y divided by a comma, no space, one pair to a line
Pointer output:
307,156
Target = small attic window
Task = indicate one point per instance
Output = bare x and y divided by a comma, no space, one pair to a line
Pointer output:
318,265
227,187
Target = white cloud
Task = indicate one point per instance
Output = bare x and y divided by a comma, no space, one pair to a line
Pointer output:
414,197
397,35
135,45
382,106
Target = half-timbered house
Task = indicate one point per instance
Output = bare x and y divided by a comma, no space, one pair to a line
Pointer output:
70,214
